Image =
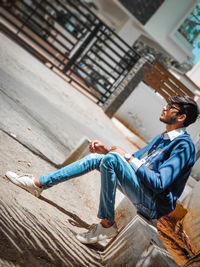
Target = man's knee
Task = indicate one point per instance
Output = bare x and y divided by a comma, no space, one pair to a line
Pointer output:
111,159
95,156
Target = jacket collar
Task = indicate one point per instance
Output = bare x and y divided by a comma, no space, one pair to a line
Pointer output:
173,134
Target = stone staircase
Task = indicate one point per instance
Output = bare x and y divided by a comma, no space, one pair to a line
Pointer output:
138,244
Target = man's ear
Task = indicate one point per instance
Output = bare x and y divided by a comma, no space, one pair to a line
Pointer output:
181,117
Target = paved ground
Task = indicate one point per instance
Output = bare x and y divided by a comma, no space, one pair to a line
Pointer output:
40,108
42,118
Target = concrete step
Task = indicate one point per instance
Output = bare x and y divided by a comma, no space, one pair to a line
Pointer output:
138,244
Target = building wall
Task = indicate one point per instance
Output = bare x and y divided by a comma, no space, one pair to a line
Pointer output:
194,74
165,20
111,13
129,33
161,26
141,112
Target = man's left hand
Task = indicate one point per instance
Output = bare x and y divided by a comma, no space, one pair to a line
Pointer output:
118,150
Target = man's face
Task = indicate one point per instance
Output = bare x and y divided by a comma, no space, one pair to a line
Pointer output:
169,113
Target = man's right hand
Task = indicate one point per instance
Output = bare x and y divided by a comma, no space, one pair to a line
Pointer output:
97,147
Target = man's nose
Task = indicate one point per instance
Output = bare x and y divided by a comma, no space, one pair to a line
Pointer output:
165,107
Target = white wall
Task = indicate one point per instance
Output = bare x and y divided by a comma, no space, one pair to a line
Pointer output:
141,112
111,13
196,170
194,131
130,32
165,20
194,74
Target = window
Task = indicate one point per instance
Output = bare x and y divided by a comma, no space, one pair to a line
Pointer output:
188,33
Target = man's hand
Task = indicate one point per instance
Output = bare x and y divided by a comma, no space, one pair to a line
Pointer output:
97,147
118,150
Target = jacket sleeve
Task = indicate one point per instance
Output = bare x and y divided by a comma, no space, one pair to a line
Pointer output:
182,158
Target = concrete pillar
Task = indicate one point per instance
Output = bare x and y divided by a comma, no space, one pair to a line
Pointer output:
197,145
126,87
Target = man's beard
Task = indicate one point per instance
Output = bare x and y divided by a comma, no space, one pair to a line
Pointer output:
169,121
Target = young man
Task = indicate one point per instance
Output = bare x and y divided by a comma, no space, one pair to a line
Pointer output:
153,178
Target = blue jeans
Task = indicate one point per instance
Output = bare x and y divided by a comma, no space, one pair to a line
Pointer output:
115,172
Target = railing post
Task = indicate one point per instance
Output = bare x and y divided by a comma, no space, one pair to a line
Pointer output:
82,47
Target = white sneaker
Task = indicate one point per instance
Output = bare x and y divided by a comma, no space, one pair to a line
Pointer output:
97,233
25,181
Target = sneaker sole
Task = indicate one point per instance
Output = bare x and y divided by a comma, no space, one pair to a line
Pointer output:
34,192
94,242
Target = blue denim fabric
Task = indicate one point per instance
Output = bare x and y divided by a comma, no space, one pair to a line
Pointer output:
115,172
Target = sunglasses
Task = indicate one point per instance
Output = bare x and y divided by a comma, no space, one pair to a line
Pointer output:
171,106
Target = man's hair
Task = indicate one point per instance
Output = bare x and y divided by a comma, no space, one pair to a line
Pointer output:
187,106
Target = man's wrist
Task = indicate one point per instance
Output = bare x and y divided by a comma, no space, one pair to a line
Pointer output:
130,160
127,156
106,150
136,163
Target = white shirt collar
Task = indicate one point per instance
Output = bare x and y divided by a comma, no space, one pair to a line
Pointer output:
173,134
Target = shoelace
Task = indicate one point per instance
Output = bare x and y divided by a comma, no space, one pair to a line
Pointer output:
26,174
93,228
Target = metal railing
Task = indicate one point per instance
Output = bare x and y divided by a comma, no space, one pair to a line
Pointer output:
72,41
